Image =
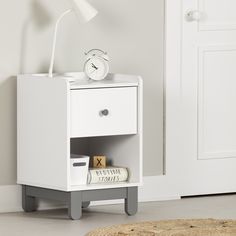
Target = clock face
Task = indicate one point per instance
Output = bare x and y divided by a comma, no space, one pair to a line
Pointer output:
96,68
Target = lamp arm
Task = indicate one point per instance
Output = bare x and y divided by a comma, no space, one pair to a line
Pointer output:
50,73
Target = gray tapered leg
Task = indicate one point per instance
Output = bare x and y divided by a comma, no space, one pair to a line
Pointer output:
131,201
28,202
85,204
75,205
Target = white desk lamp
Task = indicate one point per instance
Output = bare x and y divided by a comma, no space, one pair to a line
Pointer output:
84,10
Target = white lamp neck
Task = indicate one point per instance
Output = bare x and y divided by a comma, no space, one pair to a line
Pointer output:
50,73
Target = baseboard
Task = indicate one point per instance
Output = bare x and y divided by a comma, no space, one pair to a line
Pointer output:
155,188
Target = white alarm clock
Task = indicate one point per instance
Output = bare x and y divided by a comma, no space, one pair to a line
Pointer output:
96,66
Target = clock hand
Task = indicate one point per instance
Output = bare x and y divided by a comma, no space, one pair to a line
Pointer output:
94,66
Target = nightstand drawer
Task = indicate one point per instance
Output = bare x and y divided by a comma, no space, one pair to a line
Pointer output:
105,111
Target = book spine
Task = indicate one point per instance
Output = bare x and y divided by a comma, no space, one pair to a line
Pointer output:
111,175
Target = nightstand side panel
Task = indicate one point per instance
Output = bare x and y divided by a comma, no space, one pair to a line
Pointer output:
43,139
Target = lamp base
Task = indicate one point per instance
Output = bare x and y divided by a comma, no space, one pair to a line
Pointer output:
68,78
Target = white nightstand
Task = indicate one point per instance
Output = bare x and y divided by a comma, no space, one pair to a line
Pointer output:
57,117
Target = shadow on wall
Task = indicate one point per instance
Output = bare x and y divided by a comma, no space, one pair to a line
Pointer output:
8,130
40,18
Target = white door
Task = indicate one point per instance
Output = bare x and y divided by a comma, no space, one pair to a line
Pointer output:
208,90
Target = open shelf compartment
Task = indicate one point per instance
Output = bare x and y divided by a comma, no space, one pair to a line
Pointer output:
121,151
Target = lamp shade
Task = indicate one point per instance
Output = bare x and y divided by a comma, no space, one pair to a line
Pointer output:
84,10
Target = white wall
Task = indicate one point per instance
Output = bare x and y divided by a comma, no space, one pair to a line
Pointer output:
130,31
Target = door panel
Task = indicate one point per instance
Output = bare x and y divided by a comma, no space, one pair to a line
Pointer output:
217,102
208,92
218,14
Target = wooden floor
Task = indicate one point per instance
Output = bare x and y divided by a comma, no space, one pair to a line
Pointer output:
55,222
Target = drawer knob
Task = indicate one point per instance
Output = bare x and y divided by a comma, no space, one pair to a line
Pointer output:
104,112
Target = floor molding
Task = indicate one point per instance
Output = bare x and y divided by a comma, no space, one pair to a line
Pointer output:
155,188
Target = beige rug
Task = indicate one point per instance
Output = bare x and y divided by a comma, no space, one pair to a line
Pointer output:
207,227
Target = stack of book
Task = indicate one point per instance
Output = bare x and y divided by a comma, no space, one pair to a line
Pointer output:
108,175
